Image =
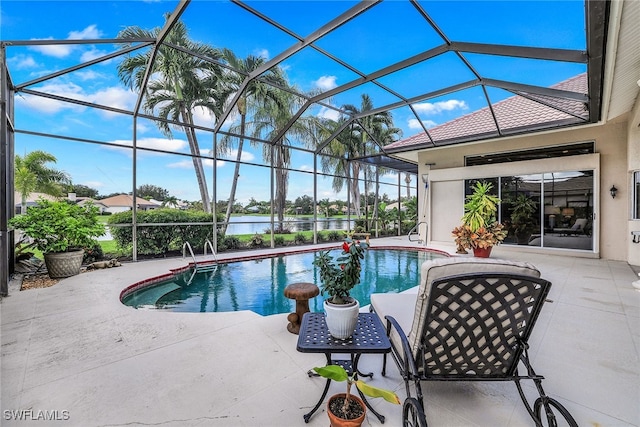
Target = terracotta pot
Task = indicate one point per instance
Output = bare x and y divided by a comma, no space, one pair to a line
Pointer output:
482,252
342,318
341,422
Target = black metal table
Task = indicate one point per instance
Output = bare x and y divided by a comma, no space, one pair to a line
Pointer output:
369,338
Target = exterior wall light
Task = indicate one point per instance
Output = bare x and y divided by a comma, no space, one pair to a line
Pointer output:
613,190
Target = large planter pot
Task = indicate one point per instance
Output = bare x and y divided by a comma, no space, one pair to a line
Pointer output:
342,318
63,264
482,252
337,421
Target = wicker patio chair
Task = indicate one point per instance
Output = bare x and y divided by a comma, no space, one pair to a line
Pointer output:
472,322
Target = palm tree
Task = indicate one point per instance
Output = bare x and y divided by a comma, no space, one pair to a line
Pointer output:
180,83
256,92
351,143
269,119
32,174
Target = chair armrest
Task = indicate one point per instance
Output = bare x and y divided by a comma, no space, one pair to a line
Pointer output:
409,361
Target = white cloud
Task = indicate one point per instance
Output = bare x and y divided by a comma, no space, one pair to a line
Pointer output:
90,32
415,124
262,53
88,75
115,97
93,184
21,62
305,168
329,113
246,156
188,164
155,143
438,107
326,83
62,51
92,54
55,50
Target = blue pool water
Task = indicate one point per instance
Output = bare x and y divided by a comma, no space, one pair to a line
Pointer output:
258,285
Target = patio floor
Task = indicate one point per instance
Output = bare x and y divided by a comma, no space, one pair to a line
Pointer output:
74,347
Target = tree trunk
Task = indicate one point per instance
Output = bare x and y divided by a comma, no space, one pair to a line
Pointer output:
355,188
197,161
236,174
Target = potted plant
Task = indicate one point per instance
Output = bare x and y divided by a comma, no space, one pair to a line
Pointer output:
479,230
523,221
347,410
61,231
338,277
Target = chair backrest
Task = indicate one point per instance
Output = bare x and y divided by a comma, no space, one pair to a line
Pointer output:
478,324
434,270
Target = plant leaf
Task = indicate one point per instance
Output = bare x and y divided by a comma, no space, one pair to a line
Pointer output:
373,391
334,372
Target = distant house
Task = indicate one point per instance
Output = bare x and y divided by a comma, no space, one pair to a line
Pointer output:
124,202
32,200
82,201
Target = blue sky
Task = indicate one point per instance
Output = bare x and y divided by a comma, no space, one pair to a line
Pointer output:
381,36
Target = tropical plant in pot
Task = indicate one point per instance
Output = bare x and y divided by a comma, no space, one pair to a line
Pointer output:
338,277
345,409
479,230
523,221
61,231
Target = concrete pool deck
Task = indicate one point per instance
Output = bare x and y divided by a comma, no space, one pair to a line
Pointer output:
75,351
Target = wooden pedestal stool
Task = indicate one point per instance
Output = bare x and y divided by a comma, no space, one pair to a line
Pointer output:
301,292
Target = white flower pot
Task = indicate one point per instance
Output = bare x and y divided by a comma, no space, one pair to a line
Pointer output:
342,318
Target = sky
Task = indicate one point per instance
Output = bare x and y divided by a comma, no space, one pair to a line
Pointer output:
379,37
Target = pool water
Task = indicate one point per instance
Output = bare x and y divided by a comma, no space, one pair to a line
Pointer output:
258,285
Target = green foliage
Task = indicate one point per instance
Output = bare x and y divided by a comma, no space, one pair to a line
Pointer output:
230,242
278,240
300,239
338,373
93,253
339,276
160,239
522,215
149,191
59,226
257,241
334,235
481,207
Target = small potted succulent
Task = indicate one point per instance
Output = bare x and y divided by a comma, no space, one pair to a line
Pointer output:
345,409
60,230
479,230
338,277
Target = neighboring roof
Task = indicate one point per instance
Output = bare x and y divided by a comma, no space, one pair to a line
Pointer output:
125,200
514,114
33,197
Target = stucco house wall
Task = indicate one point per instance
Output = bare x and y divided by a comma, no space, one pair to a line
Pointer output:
446,170
633,160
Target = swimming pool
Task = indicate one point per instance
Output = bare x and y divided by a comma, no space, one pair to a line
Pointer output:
258,284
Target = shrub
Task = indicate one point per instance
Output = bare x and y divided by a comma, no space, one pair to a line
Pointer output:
300,239
93,254
257,241
160,239
278,240
335,235
322,237
59,226
231,242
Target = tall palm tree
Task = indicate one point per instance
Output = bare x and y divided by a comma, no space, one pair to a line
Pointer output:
180,83
32,174
352,143
256,92
268,121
